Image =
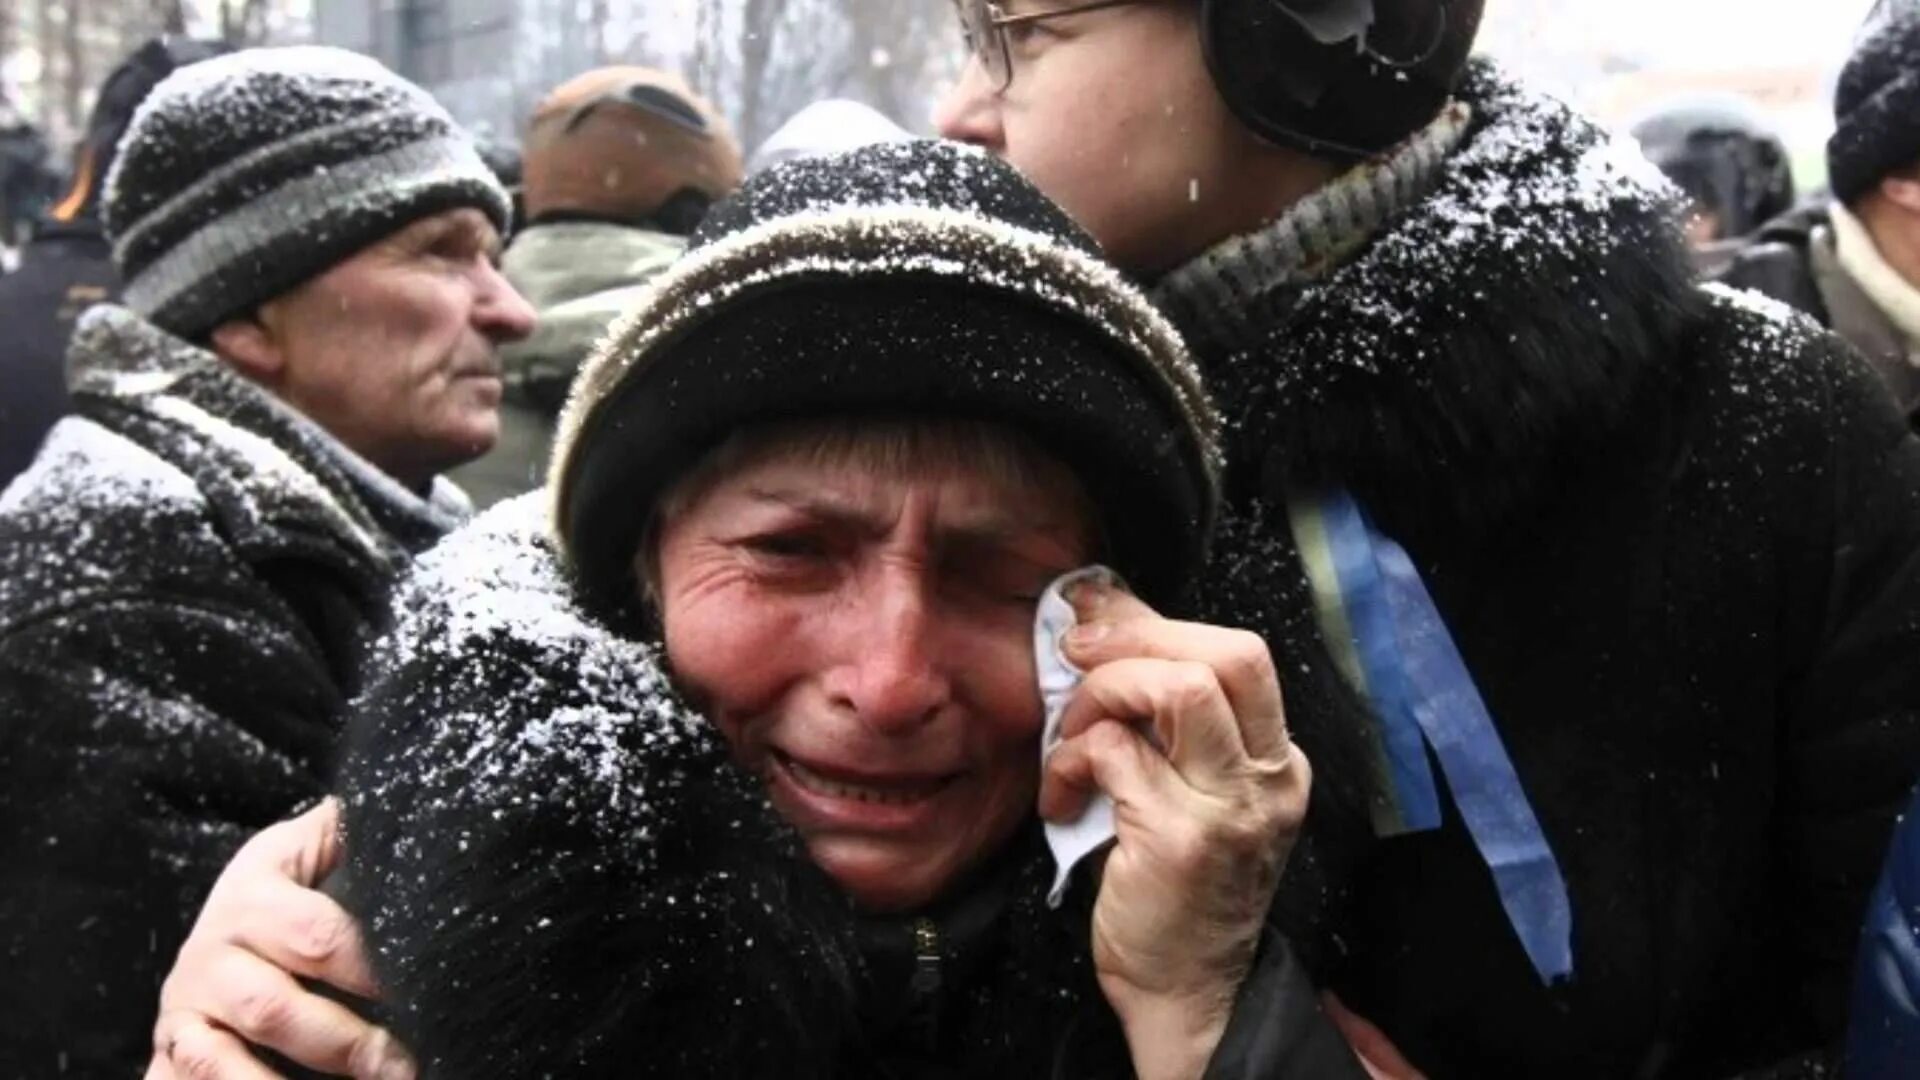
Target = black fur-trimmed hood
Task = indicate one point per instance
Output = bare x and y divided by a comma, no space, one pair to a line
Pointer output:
1515,310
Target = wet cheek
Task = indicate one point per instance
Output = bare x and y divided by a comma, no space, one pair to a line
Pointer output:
733,653
1005,695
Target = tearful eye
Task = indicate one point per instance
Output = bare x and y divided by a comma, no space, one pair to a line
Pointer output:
787,546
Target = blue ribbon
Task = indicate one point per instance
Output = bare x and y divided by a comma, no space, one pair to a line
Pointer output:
1370,618
1412,674
1480,776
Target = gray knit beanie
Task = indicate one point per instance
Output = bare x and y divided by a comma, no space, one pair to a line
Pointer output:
243,176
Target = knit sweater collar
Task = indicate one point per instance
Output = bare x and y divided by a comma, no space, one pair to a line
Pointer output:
1233,292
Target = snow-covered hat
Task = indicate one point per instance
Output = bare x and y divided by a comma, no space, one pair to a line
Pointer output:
1876,107
919,278
242,176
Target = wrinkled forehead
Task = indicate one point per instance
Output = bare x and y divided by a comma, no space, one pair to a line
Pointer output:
464,223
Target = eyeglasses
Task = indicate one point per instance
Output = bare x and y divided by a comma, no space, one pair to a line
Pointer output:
984,24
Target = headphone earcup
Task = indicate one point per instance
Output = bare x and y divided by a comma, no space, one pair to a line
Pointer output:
1337,100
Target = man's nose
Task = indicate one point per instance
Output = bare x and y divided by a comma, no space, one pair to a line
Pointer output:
968,112
499,311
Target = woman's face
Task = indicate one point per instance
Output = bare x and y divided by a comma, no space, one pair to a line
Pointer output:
864,638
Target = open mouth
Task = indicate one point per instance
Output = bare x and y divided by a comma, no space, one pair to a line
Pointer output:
884,792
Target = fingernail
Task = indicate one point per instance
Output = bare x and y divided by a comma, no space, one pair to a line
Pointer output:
1087,594
1087,634
395,1062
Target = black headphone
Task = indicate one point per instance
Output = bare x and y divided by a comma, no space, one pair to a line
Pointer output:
1312,75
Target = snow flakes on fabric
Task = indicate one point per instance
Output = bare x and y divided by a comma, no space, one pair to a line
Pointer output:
87,479
221,82
533,702
888,242
533,815
258,96
1536,181
86,467
1761,304
1517,302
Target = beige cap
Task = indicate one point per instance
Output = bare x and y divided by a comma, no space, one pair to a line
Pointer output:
618,142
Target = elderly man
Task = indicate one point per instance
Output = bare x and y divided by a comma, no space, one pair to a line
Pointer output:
191,565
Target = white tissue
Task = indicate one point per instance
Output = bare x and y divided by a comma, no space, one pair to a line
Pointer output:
1072,842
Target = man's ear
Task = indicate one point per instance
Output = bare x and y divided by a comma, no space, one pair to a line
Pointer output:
250,347
1902,189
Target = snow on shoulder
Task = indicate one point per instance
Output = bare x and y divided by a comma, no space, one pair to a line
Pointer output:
1757,303
85,468
513,695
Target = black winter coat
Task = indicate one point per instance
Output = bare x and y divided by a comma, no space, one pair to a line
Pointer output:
1676,536
63,271
188,573
561,873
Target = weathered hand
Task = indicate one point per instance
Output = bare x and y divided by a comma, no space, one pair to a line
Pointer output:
1181,724
234,981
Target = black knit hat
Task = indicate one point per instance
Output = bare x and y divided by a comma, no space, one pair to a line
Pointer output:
1876,107
916,278
242,176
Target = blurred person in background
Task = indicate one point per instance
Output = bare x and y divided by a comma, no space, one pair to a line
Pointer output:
1724,158
619,166
67,266
195,560
1853,262
832,126
26,184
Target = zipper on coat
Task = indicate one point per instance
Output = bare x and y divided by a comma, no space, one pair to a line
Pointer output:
926,980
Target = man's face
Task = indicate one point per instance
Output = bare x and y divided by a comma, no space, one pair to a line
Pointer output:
1113,115
392,350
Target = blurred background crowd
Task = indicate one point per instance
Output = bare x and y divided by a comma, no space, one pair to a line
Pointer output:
1729,65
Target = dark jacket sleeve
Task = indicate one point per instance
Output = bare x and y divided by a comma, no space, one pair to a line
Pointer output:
1850,746
1278,1031
142,738
1883,1034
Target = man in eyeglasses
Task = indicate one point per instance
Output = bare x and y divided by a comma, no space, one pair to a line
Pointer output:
1623,570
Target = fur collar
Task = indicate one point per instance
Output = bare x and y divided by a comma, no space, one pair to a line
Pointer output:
1512,312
